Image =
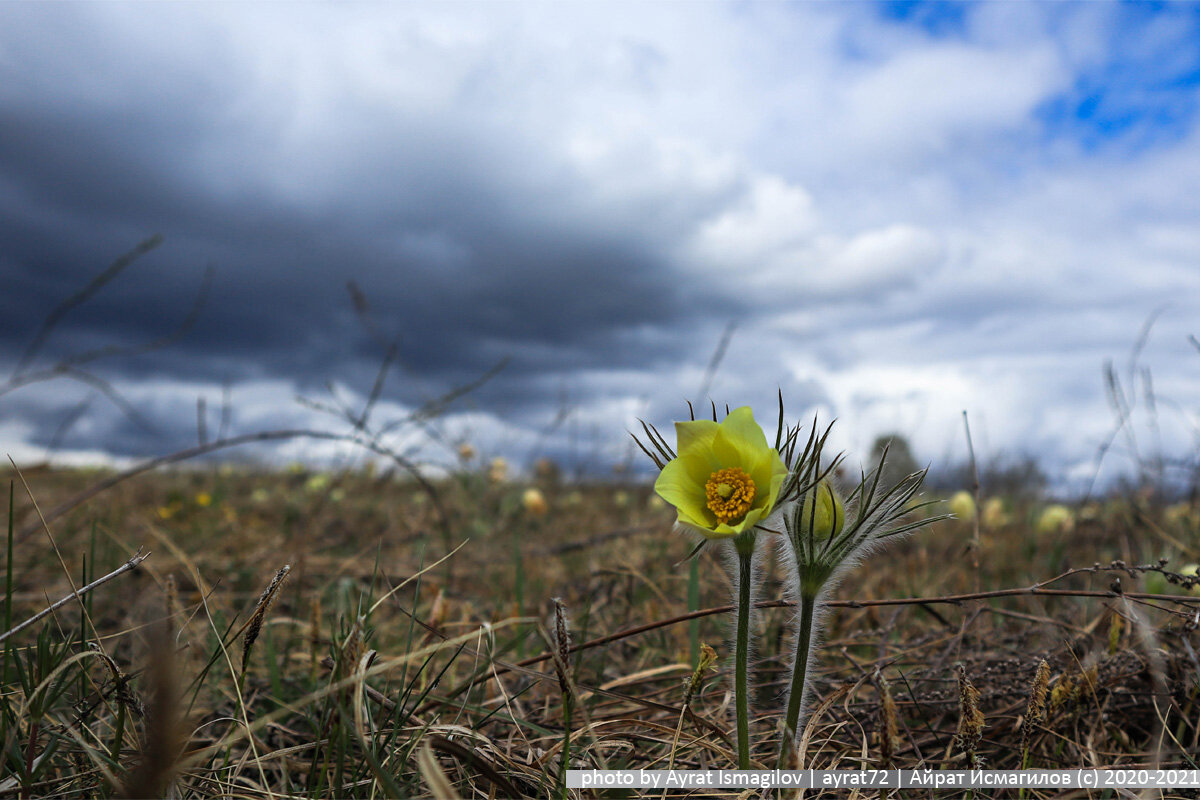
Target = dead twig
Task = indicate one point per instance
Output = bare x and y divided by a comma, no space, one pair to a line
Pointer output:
130,565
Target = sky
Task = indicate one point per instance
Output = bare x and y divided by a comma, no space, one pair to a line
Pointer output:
890,212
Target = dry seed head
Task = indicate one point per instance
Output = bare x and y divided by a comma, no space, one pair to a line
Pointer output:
970,719
708,658
254,627
1090,681
1116,625
562,643
1064,692
437,613
353,647
1035,708
889,728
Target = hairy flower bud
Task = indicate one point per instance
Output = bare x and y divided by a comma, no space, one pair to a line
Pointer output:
822,513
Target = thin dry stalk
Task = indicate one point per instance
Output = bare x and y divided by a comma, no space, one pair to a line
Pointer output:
976,542
171,603
707,660
128,566
164,736
889,729
314,634
121,689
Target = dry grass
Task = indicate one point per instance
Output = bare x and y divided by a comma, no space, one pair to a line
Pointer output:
407,655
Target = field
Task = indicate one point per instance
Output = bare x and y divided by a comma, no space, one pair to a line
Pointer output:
462,640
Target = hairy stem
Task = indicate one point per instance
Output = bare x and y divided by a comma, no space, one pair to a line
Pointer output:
808,606
745,550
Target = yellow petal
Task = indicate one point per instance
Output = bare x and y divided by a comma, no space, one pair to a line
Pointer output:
695,434
677,486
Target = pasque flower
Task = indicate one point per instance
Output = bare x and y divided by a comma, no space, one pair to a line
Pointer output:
726,482
725,479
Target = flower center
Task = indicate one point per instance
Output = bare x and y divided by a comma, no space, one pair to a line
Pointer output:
730,492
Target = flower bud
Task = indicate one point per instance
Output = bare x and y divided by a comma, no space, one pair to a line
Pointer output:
828,518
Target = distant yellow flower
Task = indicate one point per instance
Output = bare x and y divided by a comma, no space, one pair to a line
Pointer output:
534,502
725,478
204,499
994,513
962,506
1056,518
170,509
466,452
498,471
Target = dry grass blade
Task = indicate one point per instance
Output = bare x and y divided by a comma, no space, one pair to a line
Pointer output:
435,778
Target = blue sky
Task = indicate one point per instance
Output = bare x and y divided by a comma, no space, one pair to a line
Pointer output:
905,209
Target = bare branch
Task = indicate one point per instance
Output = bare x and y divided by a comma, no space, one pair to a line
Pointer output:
96,284
129,565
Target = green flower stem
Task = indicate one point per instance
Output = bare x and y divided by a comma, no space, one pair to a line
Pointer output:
808,606
745,550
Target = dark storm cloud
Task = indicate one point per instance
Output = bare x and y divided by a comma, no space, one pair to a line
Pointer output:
467,251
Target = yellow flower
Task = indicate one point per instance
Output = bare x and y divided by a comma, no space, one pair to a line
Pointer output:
725,479
1054,519
994,514
962,506
498,471
534,502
